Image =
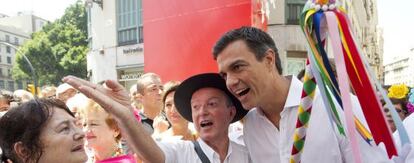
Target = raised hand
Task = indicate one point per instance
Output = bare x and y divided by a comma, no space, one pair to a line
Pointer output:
115,100
113,97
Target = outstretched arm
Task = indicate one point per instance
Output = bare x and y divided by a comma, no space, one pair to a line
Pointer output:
115,100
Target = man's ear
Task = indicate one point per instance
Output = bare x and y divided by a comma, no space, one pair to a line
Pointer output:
20,150
232,112
269,59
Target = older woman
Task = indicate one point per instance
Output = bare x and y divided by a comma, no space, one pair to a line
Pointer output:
41,130
179,126
400,106
102,132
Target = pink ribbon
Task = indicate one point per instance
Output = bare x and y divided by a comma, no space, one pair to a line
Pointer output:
343,82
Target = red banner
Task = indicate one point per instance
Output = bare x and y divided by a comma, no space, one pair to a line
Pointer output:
179,34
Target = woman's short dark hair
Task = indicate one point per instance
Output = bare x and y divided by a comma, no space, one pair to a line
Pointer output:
398,101
24,124
402,102
169,87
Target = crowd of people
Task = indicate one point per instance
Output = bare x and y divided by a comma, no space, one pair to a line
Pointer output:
246,112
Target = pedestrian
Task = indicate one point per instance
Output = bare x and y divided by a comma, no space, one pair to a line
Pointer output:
249,62
41,130
202,99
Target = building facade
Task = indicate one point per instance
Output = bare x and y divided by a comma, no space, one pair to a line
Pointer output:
115,40
400,70
117,49
14,31
26,22
10,37
283,26
363,15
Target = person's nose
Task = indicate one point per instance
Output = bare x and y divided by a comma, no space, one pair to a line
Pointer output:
388,113
173,109
160,91
203,110
231,81
79,134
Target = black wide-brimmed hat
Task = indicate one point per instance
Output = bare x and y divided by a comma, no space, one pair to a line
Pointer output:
184,92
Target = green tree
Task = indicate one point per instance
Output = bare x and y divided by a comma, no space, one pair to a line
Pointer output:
59,49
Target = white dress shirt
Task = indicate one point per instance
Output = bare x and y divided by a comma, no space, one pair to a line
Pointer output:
183,152
408,123
323,144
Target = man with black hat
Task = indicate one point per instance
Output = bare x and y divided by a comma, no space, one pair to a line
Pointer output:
202,99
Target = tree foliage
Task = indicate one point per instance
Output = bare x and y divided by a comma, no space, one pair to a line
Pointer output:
59,49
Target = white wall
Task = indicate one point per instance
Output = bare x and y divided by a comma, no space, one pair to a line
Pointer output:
106,58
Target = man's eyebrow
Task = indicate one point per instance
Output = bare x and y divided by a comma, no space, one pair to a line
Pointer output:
236,62
232,64
213,98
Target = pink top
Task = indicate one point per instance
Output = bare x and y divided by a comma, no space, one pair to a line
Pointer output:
136,113
120,159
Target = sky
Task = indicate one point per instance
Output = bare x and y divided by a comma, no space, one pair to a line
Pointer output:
46,9
395,17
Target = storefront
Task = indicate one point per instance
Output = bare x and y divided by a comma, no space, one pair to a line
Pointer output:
128,76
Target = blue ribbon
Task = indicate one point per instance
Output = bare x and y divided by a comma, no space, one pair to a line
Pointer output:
317,17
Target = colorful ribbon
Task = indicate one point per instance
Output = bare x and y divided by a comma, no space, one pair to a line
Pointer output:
315,24
364,90
343,84
304,112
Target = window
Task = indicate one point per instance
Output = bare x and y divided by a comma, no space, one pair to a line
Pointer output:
7,38
1,72
295,65
8,49
129,24
293,10
9,74
16,41
10,85
2,84
19,85
141,33
8,60
0,58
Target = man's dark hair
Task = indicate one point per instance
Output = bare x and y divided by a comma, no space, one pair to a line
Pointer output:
256,40
301,74
24,124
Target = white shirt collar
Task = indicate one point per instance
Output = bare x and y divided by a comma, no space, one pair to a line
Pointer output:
210,152
295,92
293,98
